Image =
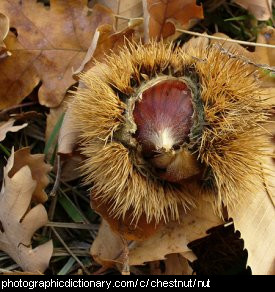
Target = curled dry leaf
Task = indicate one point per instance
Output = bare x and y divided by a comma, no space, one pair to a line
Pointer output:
39,170
9,127
18,223
261,9
67,143
67,139
125,9
44,51
106,40
4,29
161,17
169,239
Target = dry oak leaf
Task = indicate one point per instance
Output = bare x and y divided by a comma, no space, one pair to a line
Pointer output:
125,9
169,239
39,170
9,127
162,16
18,223
261,9
254,217
48,44
105,40
4,29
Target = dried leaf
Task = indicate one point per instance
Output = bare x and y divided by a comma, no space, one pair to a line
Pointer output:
254,218
106,254
125,226
100,35
261,9
67,144
174,237
124,8
4,29
106,40
171,238
68,136
39,170
18,225
175,264
266,55
9,127
162,16
44,51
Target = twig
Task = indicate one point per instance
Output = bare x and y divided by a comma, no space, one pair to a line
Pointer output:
18,106
211,36
226,39
125,257
246,60
69,251
72,225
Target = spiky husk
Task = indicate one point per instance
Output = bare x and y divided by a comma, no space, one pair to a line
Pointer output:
230,144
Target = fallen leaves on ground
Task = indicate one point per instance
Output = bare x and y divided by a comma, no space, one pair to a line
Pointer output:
161,17
254,218
8,126
169,239
261,9
125,9
39,170
18,222
47,45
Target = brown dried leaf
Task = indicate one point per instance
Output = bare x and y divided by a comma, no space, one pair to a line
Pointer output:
261,9
254,218
105,41
67,143
9,127
4,29
44,51
68,136
169,239
175,264
19,224
161,17
124,8
107,246
39,170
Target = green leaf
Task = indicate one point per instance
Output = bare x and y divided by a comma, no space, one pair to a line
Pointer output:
54,134
71,209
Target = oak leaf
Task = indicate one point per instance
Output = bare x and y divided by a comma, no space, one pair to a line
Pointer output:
18,223
47,45
125,10
39,170
169,239
162,16
254,217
